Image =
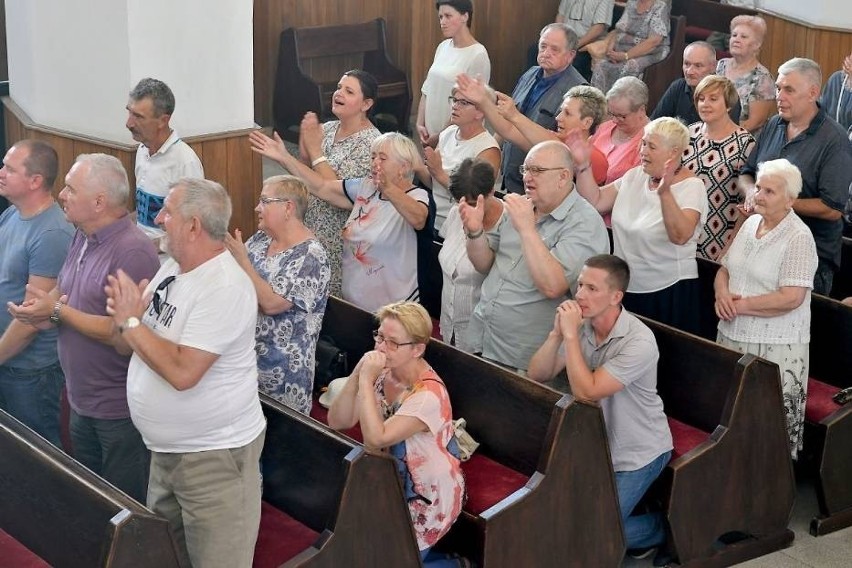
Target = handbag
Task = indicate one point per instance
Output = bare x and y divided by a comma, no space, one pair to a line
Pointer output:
843,396
330,362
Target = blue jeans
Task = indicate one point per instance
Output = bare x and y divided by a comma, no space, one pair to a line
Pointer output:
646,530
824,278
432,559
32,396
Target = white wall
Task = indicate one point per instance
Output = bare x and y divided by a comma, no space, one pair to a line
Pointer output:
829,13
71,68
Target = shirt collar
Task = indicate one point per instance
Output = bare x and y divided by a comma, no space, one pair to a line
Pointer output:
813,127
104,233
561,211
170,141
619,330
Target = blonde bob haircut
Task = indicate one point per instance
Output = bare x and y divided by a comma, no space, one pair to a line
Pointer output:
412,316
756,23
674,134
293,189
783,170
711,83
400,148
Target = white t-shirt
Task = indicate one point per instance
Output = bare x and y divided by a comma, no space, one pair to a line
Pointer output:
639,234
379,248
448,64
453,151
212,308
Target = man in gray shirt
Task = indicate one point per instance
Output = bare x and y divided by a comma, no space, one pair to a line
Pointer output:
611,357
532,256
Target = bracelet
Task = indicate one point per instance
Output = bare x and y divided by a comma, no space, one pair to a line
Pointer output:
54,317
318,161
626,57
475,234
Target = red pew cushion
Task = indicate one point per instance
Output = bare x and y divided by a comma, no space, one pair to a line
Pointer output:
695,33
685,437
281,537
13,553
488,482
819,404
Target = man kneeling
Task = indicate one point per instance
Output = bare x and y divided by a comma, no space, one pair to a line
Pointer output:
611,357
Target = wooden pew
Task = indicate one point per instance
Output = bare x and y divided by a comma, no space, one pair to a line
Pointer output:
68,516
660,75
730,470
706,16
827,450
327,500
842,285
541,488
311,61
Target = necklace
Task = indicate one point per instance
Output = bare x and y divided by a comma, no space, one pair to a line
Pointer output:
657,180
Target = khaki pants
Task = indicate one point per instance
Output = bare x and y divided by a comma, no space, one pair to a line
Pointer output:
212,502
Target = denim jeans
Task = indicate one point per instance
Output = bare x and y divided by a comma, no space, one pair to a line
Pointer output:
645,530
432,559
32,396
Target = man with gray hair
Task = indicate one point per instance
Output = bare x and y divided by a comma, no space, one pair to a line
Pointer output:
802,133
539,92
699,61
107,240
162,157
192,380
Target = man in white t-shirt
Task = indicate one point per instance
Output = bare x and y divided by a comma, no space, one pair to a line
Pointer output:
162,157
192,380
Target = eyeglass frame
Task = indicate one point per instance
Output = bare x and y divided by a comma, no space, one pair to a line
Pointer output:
162,288
264,200
393,345
463,103
536,171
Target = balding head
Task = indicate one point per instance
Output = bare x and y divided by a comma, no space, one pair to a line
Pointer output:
699,61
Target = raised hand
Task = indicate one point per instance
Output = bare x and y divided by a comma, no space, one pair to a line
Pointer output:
521,212
506,107
668,175
471,89
272,148
472,216
237,248
433,160
310,136
581,148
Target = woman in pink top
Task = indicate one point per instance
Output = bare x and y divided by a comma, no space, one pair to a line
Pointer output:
397,398
620,137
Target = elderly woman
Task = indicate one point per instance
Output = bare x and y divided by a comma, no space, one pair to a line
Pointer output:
399,400
289,269
658,210
583,109
379,240
718,148
339,149
464,138
472,181
640,38
753,81
459,53
763,290
621,137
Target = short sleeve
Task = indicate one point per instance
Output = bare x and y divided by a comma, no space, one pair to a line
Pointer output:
48,252
693,195
214,324
301,279
480,66
659,23
800,262
764,90
603,13
419,194
424,405
140,262
634,359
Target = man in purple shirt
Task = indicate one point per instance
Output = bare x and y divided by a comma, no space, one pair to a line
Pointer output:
95,200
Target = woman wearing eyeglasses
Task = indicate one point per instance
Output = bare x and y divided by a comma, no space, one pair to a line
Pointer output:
658,210
402,405
620,137
289,269
379,239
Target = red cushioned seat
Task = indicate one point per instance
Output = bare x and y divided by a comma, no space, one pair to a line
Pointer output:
696,33
320,413
281,537
436,329
685,437
488,482
819,404
13,553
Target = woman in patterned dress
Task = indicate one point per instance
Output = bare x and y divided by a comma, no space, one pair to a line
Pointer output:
640,39
339,149
763,290
289,269
398,398
718,148
752,80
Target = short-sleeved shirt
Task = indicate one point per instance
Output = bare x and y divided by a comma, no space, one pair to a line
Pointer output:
213,307
449,63
785,256
95,373
156,173
636,424
620,157
756,85
581,15
824,156
287,342
379,248
34,246
513,317
639,233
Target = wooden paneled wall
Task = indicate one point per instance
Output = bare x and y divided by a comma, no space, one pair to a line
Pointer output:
227,159
786,39
505,28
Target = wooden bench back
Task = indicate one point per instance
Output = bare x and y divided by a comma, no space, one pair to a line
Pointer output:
69,516
831,341
709,14
325,41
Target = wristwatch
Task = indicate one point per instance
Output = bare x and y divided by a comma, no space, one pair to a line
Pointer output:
54,317
129,323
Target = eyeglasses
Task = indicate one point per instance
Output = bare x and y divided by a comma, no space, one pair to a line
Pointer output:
535,171
161,294
616,116
264,200
391,344
459,102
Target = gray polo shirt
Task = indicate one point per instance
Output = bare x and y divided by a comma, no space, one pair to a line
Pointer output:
636,425
513,317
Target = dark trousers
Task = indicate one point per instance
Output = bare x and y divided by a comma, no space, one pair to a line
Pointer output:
824,277
32,396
